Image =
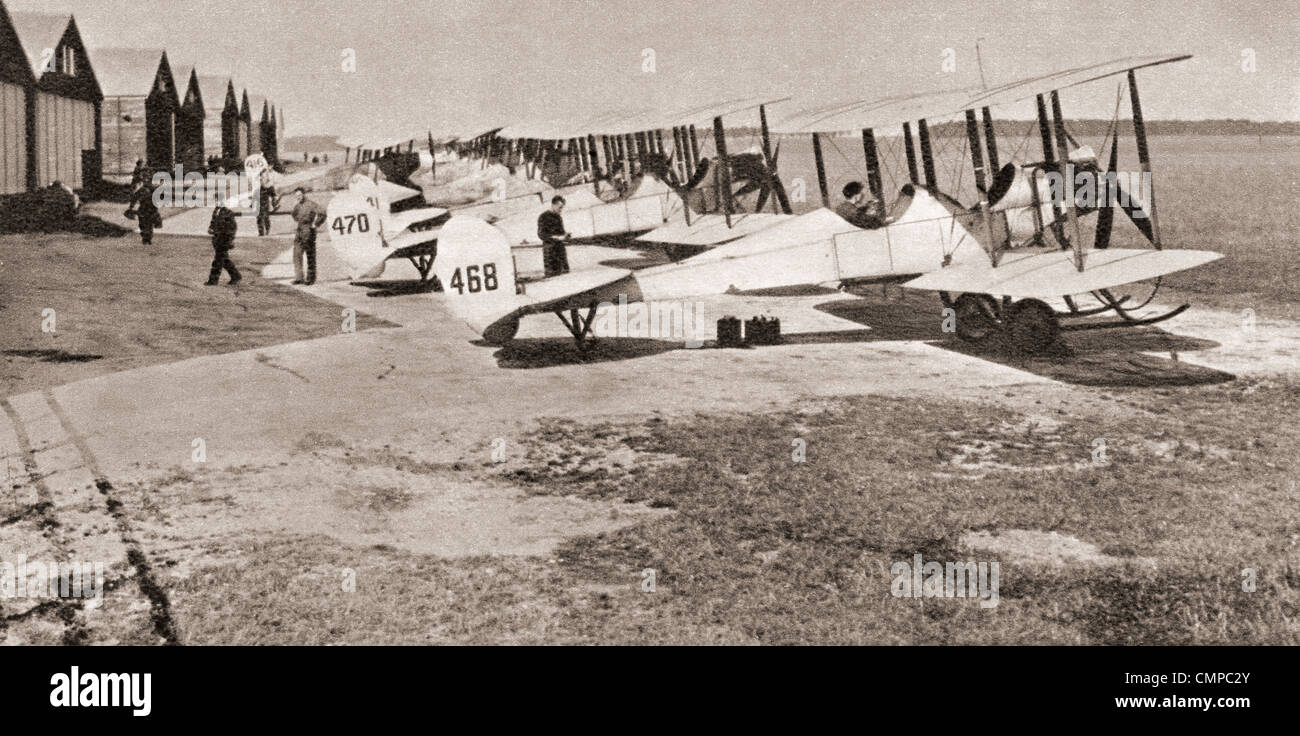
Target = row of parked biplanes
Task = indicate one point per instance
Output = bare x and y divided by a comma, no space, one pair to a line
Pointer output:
1016,263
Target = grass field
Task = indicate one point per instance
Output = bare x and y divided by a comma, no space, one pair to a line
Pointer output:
1198,486
120,305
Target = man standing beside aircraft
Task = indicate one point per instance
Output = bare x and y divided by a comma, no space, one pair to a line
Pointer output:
266,201
308,215
857,209
550,230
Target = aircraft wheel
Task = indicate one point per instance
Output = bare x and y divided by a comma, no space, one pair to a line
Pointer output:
1031,326
976,316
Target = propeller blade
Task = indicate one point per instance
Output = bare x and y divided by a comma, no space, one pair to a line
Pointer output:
1105,220
1106,217
774,180
1135,213
762,197
1001,184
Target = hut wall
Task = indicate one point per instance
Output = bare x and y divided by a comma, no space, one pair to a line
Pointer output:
13,138
124,134
64,128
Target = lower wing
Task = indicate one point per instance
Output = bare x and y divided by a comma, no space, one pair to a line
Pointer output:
1050,274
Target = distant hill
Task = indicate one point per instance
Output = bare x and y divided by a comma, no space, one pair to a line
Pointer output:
1088,127
310,143
1154,127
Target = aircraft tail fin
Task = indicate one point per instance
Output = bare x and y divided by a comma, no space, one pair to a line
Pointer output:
355,225
477,272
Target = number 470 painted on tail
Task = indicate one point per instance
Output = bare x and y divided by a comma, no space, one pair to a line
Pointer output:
472,280
361,222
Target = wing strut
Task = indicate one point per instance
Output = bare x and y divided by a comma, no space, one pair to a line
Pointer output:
977,161
1049,164
695,150
821,169
677,152
1067,179
625,143
724,167
873,166
991,141
927,156
911,154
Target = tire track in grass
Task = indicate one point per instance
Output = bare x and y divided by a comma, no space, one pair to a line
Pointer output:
159,605
74,632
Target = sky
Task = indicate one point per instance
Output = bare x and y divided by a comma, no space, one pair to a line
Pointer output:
464,66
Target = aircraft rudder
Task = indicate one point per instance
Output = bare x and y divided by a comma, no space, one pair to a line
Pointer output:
476,268
355,228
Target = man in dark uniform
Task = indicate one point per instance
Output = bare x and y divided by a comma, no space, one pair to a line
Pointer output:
147,214
308,215
222,229
550,230
857,209
266,202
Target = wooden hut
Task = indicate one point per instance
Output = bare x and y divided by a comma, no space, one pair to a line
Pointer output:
139,109
63,144
16,81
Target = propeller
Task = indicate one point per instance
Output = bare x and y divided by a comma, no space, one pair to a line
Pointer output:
1138,216
772,185
1001,183
1106,217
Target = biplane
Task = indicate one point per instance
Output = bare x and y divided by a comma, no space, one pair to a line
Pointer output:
635,194
1033,231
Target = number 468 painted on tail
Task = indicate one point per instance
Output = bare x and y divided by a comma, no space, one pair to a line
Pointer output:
472,280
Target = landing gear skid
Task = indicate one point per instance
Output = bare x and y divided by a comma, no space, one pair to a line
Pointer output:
580,326
1030,326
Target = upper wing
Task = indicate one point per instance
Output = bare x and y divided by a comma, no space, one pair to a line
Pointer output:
888,112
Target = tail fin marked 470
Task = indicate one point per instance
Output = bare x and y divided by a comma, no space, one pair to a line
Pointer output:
355,224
